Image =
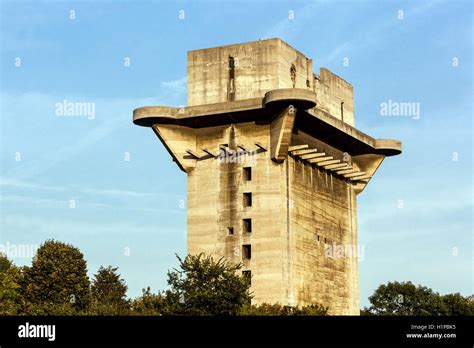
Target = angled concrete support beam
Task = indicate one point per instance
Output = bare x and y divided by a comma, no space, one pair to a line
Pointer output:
261,147
325,163
362,177
369,163
303,152
315,155
210,153
226,149
339,166
352,175
321,159
280,134
177,140
192,153
346,171
297,147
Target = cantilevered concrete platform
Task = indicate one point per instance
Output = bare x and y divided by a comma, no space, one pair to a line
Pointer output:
309,118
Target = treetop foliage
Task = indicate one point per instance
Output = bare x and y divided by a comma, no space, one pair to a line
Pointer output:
405,298
57,283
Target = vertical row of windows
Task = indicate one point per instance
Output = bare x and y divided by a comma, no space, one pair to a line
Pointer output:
247,202
247,222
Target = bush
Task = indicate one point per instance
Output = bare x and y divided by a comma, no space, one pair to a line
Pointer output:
149,304
266,309
204,286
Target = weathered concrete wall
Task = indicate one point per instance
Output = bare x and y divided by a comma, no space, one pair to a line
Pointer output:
257,68
215,203
292,204
335,96
255,72
289,58
323,222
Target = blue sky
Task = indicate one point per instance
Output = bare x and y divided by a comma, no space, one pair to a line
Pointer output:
132,213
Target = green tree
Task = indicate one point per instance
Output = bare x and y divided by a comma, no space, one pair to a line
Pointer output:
11,300
149,304
204,286
109,292
5,263
57,281
266,309
311,310
456,304
406,299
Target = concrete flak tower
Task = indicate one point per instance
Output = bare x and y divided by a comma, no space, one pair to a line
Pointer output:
274,165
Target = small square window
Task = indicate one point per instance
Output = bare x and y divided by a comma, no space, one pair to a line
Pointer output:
247,225
246,251
247,199
247,173
230,231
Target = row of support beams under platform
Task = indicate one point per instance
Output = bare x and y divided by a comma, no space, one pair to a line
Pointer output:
303,152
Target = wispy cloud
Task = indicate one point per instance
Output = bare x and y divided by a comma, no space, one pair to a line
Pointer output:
52,131
57,203
12,182
375,32
51,159
125,193
290,28
15,183
174,89
294,21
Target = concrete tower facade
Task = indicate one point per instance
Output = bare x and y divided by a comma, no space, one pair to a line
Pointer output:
274,165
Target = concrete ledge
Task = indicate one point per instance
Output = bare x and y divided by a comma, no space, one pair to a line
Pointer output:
390,147
303,99
147,116
330,128
314,120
